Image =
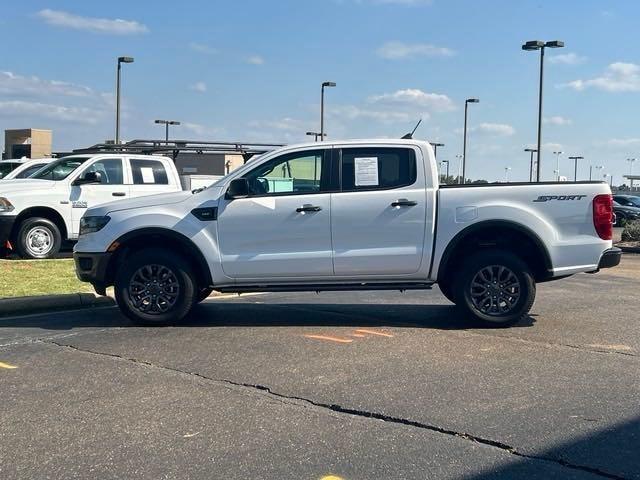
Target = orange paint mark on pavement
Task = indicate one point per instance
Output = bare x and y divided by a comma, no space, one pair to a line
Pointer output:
329,338
373,332
357,335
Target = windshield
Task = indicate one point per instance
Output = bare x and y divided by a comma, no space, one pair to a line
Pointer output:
60,169
6,167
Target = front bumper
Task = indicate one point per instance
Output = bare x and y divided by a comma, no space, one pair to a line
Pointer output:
93,268
610,258
6,226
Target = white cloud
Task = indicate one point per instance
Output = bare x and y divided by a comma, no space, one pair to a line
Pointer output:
283,124
199,87
202,131
353,112
494,129
617,77
255,60
202,48
622,142
567,59
20,109
115,26
13,84
400,51
557,120
415,98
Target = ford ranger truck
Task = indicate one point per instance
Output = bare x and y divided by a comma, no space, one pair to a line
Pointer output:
355,215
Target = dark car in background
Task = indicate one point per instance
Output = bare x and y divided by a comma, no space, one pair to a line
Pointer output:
625,212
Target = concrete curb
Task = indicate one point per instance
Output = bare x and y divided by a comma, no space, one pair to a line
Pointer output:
47,303
629,249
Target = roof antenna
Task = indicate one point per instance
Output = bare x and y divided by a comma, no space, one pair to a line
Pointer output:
409,136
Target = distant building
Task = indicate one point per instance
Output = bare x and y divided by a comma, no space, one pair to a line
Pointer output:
28,142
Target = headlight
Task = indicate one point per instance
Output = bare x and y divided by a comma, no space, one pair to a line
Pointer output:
5,205
92,224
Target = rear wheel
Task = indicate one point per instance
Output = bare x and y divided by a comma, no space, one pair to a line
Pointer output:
495,288
155,287
38,238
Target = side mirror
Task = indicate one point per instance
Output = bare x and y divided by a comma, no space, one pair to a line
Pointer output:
238,188
89,178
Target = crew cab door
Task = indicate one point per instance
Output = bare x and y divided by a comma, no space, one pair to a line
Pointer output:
378,217
150,177
112,187
282,229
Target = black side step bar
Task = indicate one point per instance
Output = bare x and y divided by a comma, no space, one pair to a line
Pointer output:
326,287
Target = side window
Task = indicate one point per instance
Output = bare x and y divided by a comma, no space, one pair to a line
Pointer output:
27,172
295,173
110,170
377,168
148,172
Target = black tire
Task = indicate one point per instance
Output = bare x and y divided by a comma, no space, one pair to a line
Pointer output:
445,289
203,294
155,287
38,238
512,300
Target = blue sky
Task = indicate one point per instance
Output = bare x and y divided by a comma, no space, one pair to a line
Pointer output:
251,70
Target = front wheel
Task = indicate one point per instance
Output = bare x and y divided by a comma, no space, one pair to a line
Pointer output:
155,287
38,238
496,288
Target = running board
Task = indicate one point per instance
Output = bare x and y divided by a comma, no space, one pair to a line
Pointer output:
325,287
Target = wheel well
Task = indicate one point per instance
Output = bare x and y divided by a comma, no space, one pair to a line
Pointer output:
513,238
41,212
129,243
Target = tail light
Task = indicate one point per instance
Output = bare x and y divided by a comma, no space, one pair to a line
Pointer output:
603,216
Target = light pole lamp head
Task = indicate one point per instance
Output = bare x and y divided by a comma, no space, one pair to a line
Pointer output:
125,59
328,84
174,122
161,122
554,44
472,100
530,149
434,144
533,45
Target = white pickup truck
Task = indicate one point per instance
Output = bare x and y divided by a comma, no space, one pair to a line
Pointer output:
346,216
38,213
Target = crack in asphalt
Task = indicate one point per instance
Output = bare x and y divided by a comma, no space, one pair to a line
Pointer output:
290,399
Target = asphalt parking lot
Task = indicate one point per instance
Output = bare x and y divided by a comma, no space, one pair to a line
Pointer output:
337,385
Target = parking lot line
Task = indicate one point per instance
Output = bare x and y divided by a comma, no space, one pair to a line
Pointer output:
7,365
374,332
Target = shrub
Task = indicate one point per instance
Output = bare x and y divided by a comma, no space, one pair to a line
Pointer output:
631,232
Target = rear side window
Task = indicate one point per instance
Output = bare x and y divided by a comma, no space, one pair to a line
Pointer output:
148,172
27,172
377,168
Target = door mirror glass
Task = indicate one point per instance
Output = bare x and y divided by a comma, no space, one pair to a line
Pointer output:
89,178
238,188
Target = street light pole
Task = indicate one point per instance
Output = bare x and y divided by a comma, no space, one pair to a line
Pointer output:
575,168
447,172
459,157
166,124
538,45
121,60
631,162
531,150
324,84
435,148
557,154
506,174
591,167
464,143
315,135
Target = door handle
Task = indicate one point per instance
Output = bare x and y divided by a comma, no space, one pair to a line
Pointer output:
118,194
403,202
308,208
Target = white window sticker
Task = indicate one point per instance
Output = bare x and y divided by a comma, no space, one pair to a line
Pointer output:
366,171
147,175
